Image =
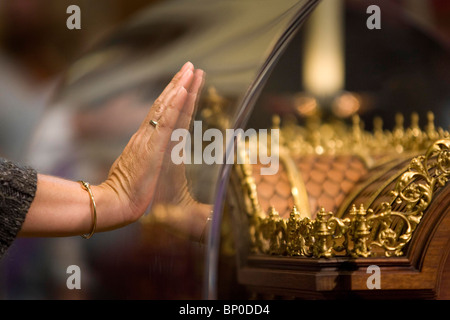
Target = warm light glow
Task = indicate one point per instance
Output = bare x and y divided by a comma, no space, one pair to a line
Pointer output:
323,64
305,105
346,105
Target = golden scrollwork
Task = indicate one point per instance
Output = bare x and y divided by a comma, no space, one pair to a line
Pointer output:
426,173
363,230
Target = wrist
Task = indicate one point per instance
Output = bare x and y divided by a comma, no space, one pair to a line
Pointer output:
112,212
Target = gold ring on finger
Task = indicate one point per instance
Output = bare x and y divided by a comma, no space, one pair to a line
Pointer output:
154,123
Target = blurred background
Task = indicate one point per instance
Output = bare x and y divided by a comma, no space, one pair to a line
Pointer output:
403,67
36,47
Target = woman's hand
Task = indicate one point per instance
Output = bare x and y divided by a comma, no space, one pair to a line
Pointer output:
173,205
134,175
63,207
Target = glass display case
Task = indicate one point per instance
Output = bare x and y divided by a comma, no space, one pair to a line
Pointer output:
107,92
311,94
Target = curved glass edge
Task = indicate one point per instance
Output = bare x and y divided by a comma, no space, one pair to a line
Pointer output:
212,257
108,91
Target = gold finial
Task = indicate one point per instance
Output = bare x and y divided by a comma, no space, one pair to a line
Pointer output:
399,124
273,213
378,124
414,120
294,215
356,128
361,232
398,133
415,124
276,120
430,128
378,131
414,134
321,246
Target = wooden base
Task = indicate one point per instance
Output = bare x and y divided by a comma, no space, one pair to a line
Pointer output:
423,273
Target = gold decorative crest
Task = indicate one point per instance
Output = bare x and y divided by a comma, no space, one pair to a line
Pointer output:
384,228
363,232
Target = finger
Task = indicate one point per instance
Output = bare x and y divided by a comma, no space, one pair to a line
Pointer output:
162,103
184,81
187,79
192,99
168,93
184,119
160,140
187,66
186,113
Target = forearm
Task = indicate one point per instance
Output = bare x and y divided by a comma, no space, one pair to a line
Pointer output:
63,208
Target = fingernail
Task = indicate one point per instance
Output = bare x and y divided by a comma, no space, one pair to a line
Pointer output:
186,66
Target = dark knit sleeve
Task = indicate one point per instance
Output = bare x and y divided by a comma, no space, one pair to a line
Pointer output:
17,190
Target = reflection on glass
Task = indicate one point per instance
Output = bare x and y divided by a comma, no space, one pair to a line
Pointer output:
107,93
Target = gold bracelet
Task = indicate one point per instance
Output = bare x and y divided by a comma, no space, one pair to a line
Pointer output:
87,187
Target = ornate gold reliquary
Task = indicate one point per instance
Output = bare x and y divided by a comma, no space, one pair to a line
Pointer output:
340,190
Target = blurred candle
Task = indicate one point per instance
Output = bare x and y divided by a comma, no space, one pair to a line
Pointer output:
323,60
